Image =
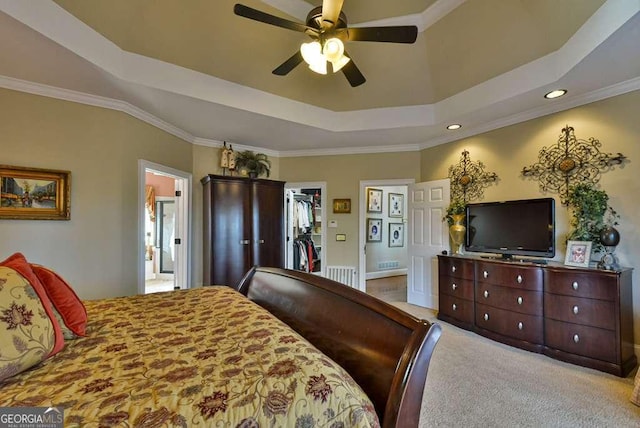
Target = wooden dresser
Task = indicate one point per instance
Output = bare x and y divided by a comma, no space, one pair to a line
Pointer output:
582,316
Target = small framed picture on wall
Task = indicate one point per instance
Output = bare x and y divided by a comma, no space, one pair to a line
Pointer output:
374,200
396,234
374,230
396,205
578,253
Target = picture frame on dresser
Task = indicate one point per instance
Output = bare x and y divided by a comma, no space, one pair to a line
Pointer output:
578,253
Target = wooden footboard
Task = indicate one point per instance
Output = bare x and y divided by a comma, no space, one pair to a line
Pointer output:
384,349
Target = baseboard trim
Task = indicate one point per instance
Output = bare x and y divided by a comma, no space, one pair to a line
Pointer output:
385,273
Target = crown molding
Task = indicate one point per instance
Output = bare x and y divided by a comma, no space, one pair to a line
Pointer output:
350,151
556,106
95,101
123,106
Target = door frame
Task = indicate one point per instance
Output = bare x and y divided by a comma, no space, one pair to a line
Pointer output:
183,180
362,261
322,185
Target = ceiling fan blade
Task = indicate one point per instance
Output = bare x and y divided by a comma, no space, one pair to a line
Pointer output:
257,15
352,73
393,34
289,64
330,12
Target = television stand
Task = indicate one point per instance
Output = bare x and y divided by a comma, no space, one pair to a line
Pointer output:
578,315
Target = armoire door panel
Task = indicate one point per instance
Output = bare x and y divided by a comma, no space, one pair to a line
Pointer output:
268,223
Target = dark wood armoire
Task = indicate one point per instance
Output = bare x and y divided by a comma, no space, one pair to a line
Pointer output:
243,226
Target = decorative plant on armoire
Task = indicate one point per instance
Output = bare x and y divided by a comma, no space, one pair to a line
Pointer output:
253,164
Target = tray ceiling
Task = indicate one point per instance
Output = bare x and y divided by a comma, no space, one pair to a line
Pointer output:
207,72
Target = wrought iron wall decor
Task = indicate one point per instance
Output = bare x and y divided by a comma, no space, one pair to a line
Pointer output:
571,161
469,179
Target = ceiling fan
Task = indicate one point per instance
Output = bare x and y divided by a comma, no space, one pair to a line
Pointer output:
327,27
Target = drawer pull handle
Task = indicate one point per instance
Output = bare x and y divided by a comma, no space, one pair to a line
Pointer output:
485,274
486,294
520,326
519,300
454,286
575,285
453,269
486,317
575,310
576,338
244,242
454,307
519,279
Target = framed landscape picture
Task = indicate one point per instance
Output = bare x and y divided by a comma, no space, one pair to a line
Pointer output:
374,230
34,193
396,234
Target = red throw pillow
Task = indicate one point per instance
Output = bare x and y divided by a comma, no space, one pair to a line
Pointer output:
20,264
66,301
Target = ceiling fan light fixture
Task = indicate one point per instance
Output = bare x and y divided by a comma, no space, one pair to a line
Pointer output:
338,64
333,49
312,55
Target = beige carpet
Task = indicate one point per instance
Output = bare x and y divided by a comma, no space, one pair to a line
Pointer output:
476,382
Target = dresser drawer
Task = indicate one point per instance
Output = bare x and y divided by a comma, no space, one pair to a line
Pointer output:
460,309
455,267
594,285
457,287
510,275
577,310
582,340
512,324
511,299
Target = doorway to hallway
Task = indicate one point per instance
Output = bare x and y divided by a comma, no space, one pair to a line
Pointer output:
164,224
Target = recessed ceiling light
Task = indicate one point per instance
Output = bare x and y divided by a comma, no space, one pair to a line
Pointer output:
555,94
454,126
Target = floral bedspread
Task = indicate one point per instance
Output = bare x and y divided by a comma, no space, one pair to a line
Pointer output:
202,357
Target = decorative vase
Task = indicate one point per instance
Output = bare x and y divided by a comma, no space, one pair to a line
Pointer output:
457,232
610,237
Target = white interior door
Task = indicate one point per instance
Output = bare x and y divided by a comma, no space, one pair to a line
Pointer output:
427,236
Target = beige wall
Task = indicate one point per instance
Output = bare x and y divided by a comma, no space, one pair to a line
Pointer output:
506,151
95,250
343,175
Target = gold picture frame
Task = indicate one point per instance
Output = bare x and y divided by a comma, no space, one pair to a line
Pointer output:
342,206
34,193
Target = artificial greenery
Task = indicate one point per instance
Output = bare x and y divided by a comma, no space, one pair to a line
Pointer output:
456,206
255,164
591,214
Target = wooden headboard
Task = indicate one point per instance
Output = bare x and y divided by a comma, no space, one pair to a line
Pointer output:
384,349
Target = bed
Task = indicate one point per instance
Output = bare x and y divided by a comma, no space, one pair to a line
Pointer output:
283,348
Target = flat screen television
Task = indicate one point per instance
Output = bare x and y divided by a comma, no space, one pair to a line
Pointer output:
512,228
